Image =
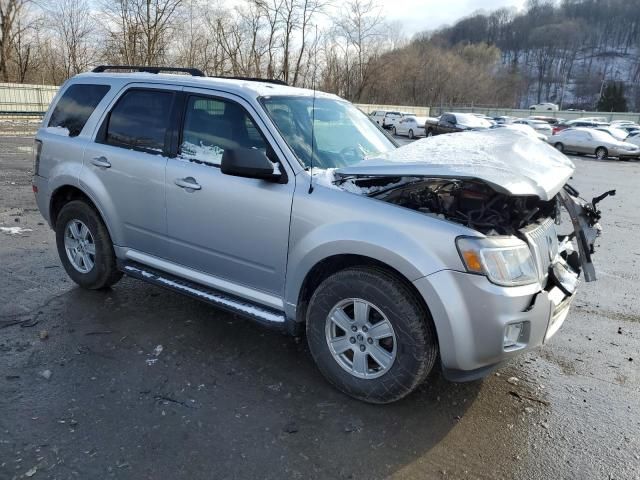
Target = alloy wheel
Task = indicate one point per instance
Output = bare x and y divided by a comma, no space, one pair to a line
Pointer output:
80,246
361,338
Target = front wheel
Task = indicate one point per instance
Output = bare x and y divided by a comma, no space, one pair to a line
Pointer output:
370,335
429,133
601,153
85,247
411,135
393,130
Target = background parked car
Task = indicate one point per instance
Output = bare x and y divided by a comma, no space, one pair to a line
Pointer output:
455,122
522,128
593,142
538,125
385,118
550,120
545,106
410,125
634,138
616,133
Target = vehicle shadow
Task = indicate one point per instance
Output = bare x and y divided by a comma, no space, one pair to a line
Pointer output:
175,388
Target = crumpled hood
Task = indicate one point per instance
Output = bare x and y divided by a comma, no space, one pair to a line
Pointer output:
509,161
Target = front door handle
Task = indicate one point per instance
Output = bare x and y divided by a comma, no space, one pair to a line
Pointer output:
101,162
188,183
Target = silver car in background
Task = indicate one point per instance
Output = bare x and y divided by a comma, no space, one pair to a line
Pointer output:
593,142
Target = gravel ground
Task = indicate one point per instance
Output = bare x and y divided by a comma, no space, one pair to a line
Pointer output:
141,383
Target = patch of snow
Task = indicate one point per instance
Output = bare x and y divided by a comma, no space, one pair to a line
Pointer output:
158,350
211,154
62,131
14,230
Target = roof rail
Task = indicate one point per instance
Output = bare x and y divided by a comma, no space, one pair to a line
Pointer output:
256,79
191,71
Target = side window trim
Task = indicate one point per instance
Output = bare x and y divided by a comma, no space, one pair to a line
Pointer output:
101,135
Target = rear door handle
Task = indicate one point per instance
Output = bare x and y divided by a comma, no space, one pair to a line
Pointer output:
188,183
101,162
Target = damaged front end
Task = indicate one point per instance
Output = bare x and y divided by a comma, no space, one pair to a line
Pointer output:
558,255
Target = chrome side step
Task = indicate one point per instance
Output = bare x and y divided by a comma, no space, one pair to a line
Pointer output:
265,315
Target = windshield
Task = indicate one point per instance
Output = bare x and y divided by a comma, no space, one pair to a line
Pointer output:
343,135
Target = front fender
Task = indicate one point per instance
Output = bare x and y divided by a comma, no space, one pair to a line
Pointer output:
332,222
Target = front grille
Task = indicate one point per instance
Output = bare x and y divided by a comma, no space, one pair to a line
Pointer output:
543,241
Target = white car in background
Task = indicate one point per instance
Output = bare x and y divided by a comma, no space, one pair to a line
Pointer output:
410,125
384,118
545,106
593,142
539,126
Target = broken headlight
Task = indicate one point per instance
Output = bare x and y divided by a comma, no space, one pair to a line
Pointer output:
505,261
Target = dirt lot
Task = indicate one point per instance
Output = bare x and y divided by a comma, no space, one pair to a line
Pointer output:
85,391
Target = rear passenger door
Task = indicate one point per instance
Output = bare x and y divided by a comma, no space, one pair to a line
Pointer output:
125,166
235,229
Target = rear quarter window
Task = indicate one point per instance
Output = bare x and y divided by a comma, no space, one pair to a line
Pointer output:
76,106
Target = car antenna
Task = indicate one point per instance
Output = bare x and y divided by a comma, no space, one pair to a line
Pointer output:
313,111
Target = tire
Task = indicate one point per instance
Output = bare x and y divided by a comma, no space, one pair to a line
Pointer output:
559,147
411,135
429,133
602,153
411,345
95,270
393,131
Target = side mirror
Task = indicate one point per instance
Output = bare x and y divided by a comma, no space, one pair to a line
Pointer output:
248,163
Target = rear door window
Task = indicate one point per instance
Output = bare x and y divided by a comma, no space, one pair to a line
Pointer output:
141,120
76,106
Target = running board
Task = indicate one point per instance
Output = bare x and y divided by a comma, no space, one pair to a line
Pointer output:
264,315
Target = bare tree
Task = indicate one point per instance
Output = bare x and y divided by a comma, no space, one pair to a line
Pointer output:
140,30
73,27
11,26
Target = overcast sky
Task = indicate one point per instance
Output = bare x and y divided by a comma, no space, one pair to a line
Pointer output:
419,15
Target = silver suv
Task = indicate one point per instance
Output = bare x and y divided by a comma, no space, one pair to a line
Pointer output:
291,207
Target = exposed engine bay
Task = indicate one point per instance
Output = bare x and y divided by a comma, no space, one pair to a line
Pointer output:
476,205
472,204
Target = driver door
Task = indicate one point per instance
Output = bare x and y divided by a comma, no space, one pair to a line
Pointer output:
232,228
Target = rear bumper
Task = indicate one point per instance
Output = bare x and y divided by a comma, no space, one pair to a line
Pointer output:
42,195
471,314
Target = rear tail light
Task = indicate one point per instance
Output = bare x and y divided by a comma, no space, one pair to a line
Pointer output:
37,148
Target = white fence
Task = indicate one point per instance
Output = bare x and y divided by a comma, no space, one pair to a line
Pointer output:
22,99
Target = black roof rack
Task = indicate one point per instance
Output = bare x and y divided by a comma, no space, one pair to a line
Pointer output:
256,79
191,71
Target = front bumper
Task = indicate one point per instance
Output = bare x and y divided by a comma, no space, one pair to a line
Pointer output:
471,314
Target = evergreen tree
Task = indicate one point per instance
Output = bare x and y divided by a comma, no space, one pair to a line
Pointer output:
612,98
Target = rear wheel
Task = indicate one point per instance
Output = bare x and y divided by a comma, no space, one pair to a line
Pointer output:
559,147
602,153
411,135
393,130
369,335
85,247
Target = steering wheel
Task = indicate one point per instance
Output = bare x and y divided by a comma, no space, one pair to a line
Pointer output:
351,154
